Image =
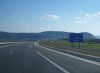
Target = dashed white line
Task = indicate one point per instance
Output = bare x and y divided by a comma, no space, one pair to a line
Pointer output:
11,52
56,65
16,47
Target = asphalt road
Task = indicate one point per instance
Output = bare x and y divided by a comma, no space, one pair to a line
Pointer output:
32,58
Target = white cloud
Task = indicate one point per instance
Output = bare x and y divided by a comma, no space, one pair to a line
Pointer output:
96,14
51,17
86,18
80,21
77,17
87,15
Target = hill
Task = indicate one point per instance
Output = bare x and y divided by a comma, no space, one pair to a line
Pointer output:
6,36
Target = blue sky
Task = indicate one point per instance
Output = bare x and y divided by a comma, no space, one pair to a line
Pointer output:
50,15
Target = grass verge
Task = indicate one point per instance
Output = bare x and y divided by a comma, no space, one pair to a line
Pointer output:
86,48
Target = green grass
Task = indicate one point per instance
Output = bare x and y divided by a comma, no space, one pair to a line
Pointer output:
86,48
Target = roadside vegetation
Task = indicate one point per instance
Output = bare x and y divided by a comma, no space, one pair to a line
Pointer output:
86,47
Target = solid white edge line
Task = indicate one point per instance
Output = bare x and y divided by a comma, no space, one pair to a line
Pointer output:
56,65
7,42
80,53
72,56
6,45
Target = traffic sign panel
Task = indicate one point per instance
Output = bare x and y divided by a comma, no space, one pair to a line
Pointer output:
76,37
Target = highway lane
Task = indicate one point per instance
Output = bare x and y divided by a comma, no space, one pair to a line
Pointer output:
86,56
23,58
31,58
71,63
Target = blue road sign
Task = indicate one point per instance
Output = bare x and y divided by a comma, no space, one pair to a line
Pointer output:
76,37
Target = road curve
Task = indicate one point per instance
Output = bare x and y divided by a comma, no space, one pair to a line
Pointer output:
31,58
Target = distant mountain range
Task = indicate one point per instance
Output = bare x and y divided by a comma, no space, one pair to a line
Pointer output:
6,36
97,37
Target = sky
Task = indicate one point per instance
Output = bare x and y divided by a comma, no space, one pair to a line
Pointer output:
50,15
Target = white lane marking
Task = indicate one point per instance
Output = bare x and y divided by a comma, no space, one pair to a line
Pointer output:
11,52
56,65
30,46
80,53
72,56
7,42
16,47
6,45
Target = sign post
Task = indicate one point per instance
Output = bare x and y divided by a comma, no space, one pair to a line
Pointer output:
72,45
79,45
75,37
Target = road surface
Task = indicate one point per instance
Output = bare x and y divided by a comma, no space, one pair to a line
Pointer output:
29,57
